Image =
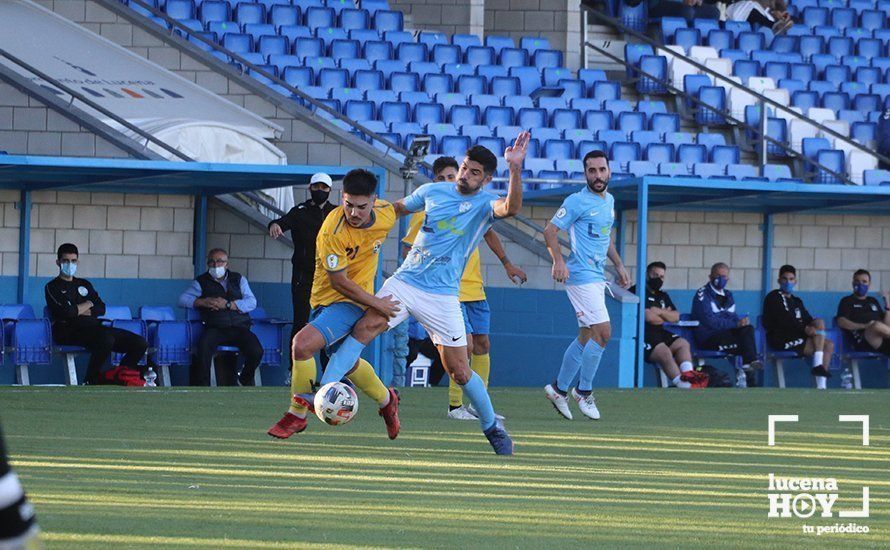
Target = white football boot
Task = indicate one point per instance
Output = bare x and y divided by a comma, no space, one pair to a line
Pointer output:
587,405
461,413
472,411
560,402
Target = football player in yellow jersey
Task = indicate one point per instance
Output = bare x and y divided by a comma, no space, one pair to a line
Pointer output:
347,252
477,314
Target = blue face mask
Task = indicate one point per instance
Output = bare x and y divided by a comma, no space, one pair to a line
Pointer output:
719,282
860,289
787,287
68,269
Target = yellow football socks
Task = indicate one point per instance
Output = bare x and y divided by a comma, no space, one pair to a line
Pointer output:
302,377
367,380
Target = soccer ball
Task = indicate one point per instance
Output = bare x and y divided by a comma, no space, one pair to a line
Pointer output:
336,403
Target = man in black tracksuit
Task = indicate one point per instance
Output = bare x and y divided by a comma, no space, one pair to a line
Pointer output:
224,300
304,221
75,309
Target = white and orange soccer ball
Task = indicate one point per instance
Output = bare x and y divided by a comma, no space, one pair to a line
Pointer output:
336,403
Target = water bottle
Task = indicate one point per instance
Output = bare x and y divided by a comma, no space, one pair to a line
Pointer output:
847,379
150,378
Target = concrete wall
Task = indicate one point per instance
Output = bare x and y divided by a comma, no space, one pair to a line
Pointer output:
557,20
30,127
448,16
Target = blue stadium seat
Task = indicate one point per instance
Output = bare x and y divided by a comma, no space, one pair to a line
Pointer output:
529,78
480,55
659,152
720,39
876,177
733,55
714,97
394,111
651,107
535,167
673,169
424,68
645,138
634,17
810,147
692,153
742,171
397,38
843,18
498,116
868,76
445,53
494,144
351,18
359,110
854,61
386,20
180,9
412,52
598,120
573,88
238,42
472,84
484,101
498,43
292,32
823,60
413,98
631,121
632,55
705,25
664,122
606,90
368,80
566,119
622,152
777,70
870,47
389,66
805,100
552,75
513,57
329,34
669,26
737,27
461,115
687,38
283,15
475,131
272,45
250,12
710,140
509,133
640,168
803,71
792,85
365,35
465,41
775,172
751,41
840,46
765,56
863,132
373,6
868,103
344,49
404,82
214,10
836,101
872,19
558,149
587,146
611,136
617,106
585,104
377,49
532,118
449,100
347,94
316,17
692,83
429,113
284,61
544,59
832,160
725,154
678,137
492,71
440,130
504,86
590,77
653,75
745,69
785,44
337,5
815,16
298,77
708,170
437,83
534,43
551,103
851,116
308,47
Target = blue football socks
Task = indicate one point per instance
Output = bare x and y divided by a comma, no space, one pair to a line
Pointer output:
590,362
343,360
571,363
475,390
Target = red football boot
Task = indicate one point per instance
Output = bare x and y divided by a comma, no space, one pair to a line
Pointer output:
288,425
130,377
390,414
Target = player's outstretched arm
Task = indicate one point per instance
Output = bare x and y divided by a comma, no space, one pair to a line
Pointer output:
515,157
514,272
623,277
560,271
386,305
400,208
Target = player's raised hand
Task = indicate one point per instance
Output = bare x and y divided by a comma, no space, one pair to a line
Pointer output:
560,272
515,154
387,306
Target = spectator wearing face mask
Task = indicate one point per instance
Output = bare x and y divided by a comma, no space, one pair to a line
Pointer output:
75,310
790,327
863,316
224,300
720,327
304,221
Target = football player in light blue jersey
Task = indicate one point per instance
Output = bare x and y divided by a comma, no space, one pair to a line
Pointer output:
587,216
457,214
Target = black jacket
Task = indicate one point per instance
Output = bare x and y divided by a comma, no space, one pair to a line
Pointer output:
63,297
211,288
304,221
785,315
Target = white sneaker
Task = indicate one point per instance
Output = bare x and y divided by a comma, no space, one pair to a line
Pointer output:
587,405
472,411
683,384
461,413
741,378
560,402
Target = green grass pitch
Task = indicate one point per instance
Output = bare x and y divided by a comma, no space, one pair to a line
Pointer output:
114,467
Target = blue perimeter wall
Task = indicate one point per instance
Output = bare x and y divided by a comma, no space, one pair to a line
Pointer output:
530,330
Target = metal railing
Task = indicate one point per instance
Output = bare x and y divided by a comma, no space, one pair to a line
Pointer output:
763,100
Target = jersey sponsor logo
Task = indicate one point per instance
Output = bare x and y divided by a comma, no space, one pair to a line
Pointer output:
561,213
874,307
82,290
453,339
464,207
377,244
449,225
333,261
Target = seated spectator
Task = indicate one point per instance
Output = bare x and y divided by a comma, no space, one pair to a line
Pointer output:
863,316
720,327
763,13
687,9
790,327
662,346
224,300
883,135
75,309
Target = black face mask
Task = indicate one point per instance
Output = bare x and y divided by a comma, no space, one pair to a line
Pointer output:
319,196
655,283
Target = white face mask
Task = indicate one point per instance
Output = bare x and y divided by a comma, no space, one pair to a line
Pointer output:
217,272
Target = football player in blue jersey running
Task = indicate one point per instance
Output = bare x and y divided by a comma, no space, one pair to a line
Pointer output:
426,285
587,216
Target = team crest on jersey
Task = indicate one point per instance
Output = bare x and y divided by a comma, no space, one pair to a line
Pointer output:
873,307
82,290
464,207
333,261
561,213
377,245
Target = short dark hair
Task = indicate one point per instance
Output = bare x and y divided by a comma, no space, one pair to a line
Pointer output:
862,272
594,154
483,156
66,248
656,264
718,265
442,163
787,269
360,182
